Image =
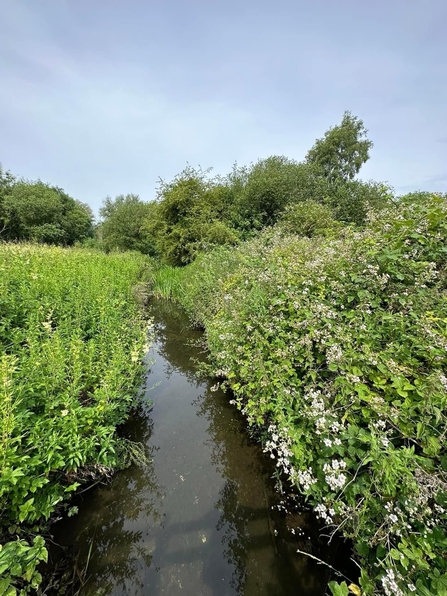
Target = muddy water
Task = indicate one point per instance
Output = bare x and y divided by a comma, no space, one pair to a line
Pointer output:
202,518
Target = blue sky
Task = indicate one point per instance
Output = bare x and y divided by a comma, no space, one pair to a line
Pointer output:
102,97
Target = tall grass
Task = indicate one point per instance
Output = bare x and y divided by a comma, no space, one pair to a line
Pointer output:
166,282
72,340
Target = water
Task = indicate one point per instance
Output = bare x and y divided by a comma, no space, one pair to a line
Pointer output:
202,518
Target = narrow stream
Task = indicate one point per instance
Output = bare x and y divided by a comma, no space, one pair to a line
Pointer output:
202,518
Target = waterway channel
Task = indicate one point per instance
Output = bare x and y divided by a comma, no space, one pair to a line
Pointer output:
202,518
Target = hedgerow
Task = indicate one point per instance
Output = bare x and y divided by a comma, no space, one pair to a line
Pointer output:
72,340
338,348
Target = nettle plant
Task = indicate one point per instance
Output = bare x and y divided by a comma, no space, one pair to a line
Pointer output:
339,349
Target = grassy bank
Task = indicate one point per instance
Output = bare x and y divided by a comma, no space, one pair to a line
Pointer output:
337,348
72,339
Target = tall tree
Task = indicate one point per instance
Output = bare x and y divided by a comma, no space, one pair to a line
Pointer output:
342,151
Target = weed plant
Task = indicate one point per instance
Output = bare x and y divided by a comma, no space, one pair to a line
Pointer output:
72,340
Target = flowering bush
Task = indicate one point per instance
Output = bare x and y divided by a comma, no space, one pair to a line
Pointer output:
71,340
338,347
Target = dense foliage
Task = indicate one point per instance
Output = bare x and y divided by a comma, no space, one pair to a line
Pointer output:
72,340
343,149
123,224
196,211
192,214
41,213
337,348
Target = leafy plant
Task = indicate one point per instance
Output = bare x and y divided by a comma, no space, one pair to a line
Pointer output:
337,348
72,340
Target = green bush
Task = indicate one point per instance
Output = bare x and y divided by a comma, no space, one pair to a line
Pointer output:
337,348
72,340
190,217
122,224
308,219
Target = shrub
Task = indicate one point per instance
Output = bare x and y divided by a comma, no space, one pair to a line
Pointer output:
308,219
338,349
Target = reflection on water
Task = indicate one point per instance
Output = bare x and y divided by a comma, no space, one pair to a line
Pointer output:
200,518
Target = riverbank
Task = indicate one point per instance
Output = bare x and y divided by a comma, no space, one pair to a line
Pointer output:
336,350
72,339
203,516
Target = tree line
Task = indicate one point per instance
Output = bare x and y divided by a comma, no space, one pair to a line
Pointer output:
39,212
197,210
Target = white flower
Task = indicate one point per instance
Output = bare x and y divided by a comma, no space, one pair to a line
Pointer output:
334,353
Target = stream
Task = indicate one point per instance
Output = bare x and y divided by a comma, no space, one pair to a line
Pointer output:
203,517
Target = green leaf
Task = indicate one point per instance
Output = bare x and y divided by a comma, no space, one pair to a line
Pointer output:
338,589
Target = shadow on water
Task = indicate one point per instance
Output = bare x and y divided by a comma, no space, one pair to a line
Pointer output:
202,518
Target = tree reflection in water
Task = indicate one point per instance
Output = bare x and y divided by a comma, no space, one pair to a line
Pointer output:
256,540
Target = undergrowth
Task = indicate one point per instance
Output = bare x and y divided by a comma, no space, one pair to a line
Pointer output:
338,347
72,339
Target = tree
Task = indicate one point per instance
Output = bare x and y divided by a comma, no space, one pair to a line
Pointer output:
270,185
123,224
351,200
7,181
43,213
342,151
191,215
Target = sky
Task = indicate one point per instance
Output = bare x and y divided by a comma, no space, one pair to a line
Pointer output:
104,97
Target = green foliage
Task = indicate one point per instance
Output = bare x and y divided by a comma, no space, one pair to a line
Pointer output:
165,282
7,181
337,348
72,340
42,213
18,564
308,219
189,217
271,185
196,212
122,226
342,151
352,200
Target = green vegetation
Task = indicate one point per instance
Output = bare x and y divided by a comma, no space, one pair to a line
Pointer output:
195,212
343,149
122,228
41,213
323,300
72,341
336,347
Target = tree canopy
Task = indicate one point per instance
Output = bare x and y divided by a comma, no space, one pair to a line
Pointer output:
123,224
196,211
39,212
343,150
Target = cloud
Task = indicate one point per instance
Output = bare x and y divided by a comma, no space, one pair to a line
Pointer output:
102,99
